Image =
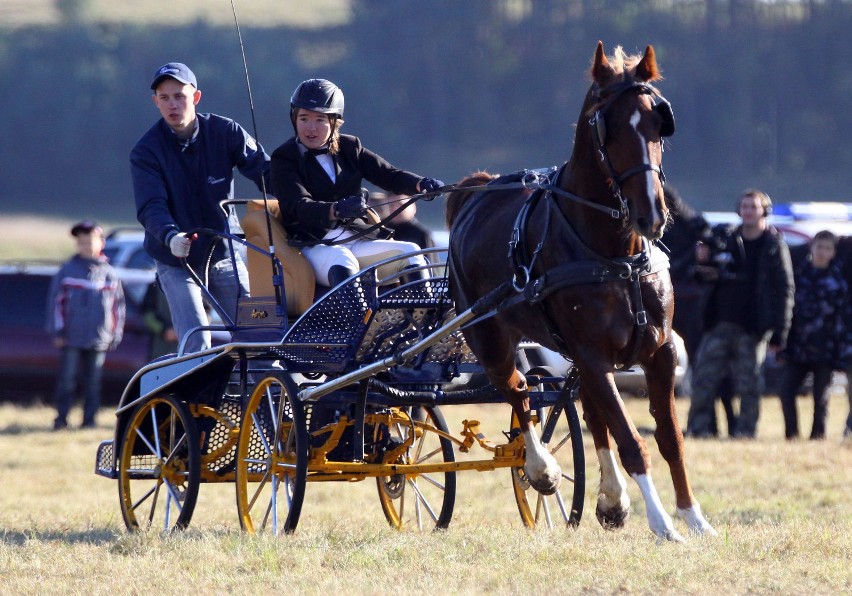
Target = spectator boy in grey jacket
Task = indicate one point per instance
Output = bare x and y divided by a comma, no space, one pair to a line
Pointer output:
85,318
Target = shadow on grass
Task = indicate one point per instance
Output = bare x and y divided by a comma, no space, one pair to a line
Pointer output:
96,536
17,429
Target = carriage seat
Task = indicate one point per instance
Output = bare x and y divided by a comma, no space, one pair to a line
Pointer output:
300,284
299,279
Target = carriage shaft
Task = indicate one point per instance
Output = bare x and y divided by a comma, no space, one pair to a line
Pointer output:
312,394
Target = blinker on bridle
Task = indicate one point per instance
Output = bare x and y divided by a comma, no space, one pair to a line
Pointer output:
608,96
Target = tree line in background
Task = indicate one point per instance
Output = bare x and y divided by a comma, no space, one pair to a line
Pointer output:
760,91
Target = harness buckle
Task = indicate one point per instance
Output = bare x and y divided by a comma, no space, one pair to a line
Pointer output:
531,179
513,241
641,318
520,273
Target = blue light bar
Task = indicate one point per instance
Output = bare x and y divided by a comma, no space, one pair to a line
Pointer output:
823,211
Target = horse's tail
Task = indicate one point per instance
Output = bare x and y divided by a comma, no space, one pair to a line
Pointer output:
457,198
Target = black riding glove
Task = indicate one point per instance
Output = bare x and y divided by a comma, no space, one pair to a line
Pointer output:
430,185
351,207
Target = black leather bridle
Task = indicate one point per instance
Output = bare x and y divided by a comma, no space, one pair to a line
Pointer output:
606,97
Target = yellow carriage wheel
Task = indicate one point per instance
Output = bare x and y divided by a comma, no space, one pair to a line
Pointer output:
419,499
272,458
159,466
560,431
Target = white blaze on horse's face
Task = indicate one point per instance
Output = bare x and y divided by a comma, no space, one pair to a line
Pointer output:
655,219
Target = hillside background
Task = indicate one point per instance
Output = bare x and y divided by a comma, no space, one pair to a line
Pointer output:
761,89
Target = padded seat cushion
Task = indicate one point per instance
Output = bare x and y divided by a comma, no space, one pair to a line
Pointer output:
299,278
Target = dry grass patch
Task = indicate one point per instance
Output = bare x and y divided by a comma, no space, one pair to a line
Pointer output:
783,511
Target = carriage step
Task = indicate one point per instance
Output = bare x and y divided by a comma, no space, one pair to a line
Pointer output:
104,460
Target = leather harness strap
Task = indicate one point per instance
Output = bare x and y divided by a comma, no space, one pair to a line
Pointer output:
595,269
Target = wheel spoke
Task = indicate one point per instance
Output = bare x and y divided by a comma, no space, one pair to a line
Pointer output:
433,498
422,501
159,444
269,435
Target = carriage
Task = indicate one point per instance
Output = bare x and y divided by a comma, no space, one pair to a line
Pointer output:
354,388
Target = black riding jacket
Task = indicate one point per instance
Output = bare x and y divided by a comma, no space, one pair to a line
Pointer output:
304,190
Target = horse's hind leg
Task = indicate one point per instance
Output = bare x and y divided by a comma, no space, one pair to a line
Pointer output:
670,438
540,467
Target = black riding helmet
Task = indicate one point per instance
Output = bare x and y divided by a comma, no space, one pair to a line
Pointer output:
317,95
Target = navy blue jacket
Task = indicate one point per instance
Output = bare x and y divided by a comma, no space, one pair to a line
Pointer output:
304,190
179,189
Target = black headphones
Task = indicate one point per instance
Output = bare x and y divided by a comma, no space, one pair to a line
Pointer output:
765,201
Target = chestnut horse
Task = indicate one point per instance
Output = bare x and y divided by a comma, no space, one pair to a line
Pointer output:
594,286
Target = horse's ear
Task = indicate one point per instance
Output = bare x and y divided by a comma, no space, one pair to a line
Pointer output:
601,70
647,69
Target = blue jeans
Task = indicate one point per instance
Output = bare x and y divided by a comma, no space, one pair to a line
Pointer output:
90,364
187,304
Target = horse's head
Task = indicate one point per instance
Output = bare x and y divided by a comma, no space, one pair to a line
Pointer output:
625,119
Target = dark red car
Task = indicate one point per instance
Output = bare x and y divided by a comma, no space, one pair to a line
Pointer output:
29,361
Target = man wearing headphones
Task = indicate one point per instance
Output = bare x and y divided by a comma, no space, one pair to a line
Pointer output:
749,310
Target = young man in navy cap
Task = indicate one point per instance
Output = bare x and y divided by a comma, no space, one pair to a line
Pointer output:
182,169
85,318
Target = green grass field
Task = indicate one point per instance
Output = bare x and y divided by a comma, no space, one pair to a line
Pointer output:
783,511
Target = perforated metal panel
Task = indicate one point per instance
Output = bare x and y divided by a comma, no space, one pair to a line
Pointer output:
337,322
219,433
105,460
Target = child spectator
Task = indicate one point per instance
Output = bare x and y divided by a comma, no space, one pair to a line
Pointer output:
817,333
85,319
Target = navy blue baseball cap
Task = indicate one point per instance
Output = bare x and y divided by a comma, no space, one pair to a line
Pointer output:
177,71
87,226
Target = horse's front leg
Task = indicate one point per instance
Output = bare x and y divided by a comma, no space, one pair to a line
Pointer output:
606,405
613,504
659,373
540,467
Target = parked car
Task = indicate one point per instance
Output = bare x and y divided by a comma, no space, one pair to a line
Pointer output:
630,381
123,248
29,361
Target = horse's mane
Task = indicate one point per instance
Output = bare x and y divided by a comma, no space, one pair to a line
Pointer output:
625,65
617,68
457,198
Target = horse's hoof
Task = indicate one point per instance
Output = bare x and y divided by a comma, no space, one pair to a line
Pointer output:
670,535
612,519
548,485
698,526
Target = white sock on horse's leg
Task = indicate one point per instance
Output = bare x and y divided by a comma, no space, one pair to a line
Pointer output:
541,467
695,520
612,493
659,521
